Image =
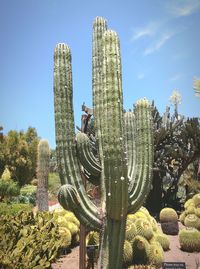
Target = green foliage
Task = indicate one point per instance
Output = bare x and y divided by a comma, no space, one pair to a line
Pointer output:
27,195
54,184
33,241
18,151
8,188
13,209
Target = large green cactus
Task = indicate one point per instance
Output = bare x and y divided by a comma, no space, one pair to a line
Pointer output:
124,145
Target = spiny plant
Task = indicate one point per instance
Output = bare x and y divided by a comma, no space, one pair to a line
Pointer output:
125,146
42,175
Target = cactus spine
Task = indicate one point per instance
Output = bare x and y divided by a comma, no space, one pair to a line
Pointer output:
42,175
124,184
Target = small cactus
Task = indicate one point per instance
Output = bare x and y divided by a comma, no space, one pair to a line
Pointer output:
189,239
42,175
168,215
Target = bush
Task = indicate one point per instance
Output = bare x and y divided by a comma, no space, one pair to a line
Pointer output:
27,195
13,209
54,184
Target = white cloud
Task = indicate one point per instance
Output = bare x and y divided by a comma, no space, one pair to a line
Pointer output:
184,7
159,43
148,30
176,77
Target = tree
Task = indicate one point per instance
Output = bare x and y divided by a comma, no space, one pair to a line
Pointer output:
18,151
8,188
176,145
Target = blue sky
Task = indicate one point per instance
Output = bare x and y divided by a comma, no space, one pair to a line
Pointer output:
159,48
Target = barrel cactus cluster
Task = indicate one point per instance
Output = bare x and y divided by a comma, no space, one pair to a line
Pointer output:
69,227
189,237
144,242
123,165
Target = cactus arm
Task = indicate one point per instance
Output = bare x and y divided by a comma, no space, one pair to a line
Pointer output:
68,197
65,133
144,155
114,158
86,157
129,120
92,179
99,27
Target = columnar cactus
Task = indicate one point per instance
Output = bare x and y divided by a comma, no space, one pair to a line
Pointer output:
124,146
42,175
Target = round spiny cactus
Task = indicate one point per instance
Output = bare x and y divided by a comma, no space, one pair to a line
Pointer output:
66,237
190,209
144,228
92,238
145,212
197,212
153,223
182,217
131,231
188,203
156,254
128,253
163,239
70,217
168,215
131,217
140,215
140,247
196,199
191,220
189,239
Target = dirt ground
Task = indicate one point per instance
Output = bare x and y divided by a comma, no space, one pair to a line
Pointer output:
71,261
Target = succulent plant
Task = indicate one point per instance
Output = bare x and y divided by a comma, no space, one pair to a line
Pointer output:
189,239
144,228
127,253
124,183
163,240
140,250
42,175
168,215
131,231
191,220
196,200
156,254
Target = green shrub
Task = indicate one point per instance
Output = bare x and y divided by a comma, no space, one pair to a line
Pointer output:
8,188
30,240
13,209
54,183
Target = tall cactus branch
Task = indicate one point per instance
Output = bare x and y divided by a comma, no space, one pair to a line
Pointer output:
141,182
65,134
